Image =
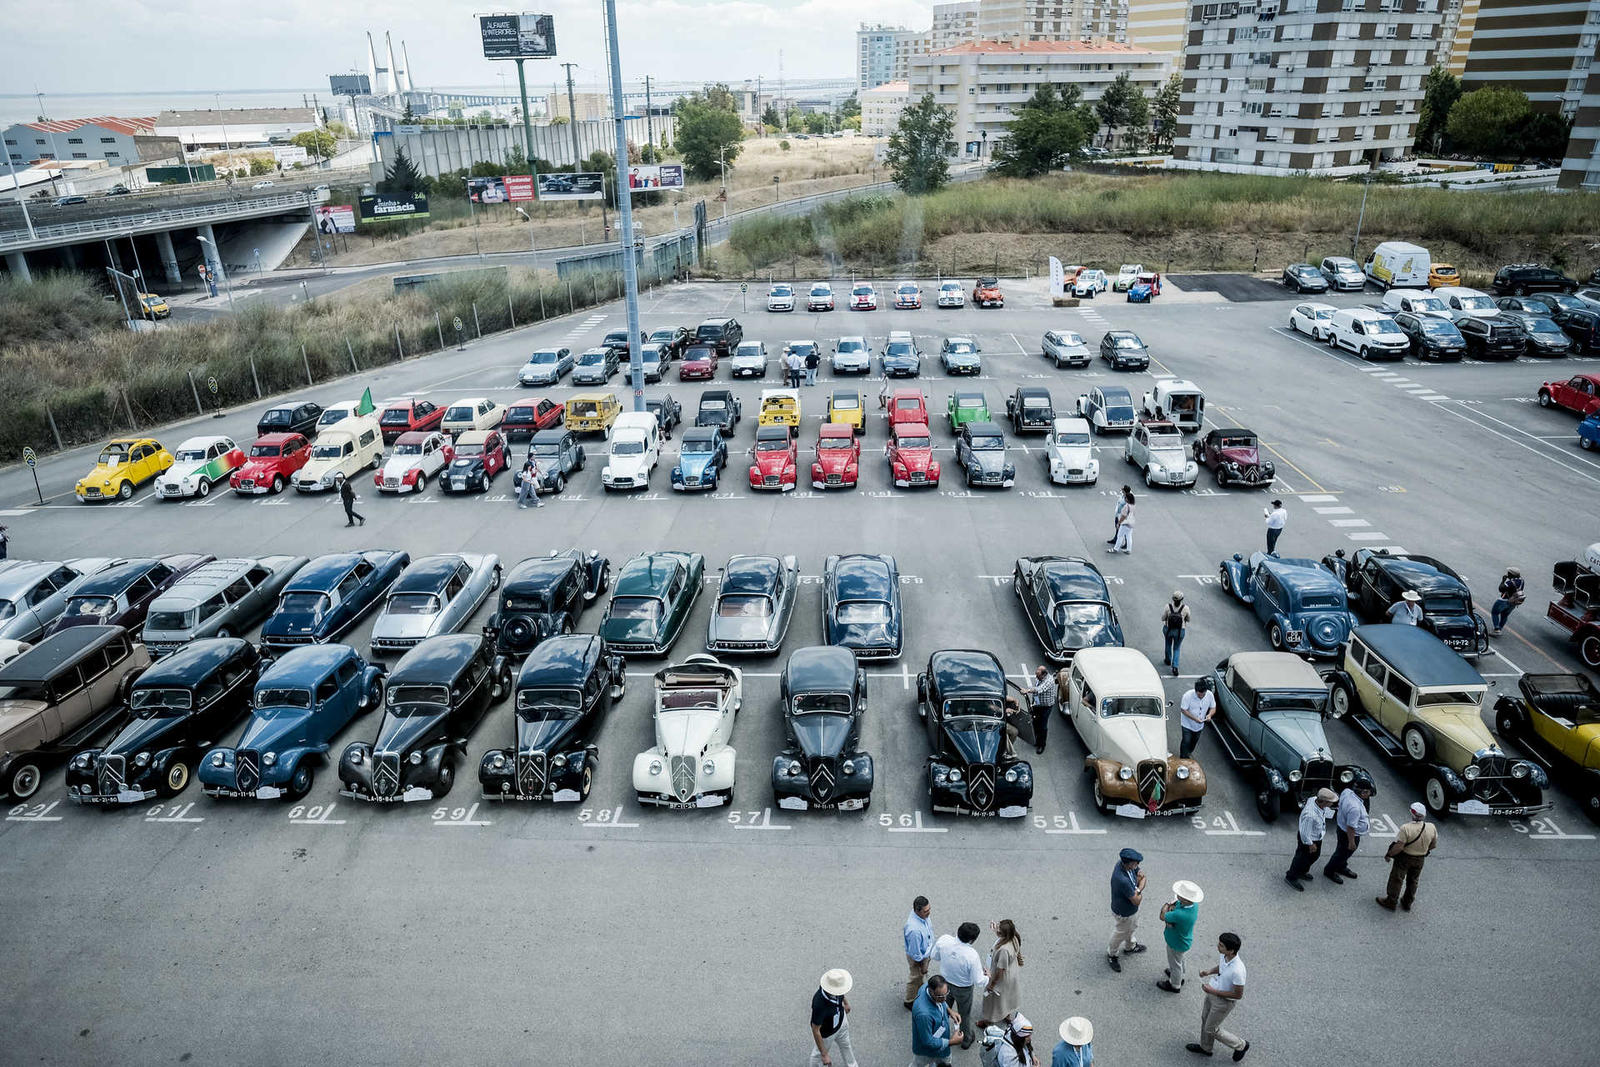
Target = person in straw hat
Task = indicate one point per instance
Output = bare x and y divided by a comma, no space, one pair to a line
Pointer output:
1407,611
830,1019
1074,1049
1179,914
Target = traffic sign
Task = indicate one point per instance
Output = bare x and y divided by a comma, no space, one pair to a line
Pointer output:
30,457
458,323
211,383
744,287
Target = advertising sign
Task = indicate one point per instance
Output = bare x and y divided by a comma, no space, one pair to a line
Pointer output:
350,84
1058,279
486,190
288,154
336,218
383,208
651,176
589,185
519,186
524,36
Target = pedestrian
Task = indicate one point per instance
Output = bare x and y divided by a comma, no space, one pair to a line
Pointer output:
528,485
1276,517
919,946
1223,994
961,968
1127,891
830,1019
1197,708
1174,622
1016,1046
1004,995
1512,593
1074,1048
5,540
796,364
1124,543
1042,699
1413,843
934,1027
347,497
1350,825
1308,841
1407,611
813,361
1116,517
1179,914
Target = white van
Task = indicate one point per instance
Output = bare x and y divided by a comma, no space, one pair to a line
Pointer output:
1397,263
1370,334
635,451
1416,301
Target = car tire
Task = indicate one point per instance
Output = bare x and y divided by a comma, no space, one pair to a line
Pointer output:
1589,650
1364,354
373,697
300,783
586,780
1275,637
1149,480
1416,743
1436,796
223,632
1505,723
124,490
1340,700
23,779
1545,399
1585,444
1293,325
175,780
500,686
277,484
204,488
1267,805
446,779
1101,805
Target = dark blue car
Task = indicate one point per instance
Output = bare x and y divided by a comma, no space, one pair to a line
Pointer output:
701,459
301,702
329,595
1589,432
861,605
1300,602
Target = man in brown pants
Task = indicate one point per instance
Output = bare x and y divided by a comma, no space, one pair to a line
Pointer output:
1411,846
919,947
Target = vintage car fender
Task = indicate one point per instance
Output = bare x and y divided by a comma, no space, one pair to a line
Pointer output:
1114,788
289,761
1234,574
162,761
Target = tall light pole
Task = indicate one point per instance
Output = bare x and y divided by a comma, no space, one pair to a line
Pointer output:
55,152
23,200
1366,187
533,246
630,270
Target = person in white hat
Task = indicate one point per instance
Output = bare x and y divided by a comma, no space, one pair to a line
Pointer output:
830,1019
1074,1049
1413,843
1016,1047
1407,611
1180,914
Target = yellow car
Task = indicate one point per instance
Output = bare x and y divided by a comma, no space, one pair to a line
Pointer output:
779,407
844,406
1443,274
125,463
153,306
592,412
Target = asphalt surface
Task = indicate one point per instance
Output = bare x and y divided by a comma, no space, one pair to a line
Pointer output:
601,932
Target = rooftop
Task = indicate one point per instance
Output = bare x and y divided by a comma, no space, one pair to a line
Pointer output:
210,117
989,47
128,126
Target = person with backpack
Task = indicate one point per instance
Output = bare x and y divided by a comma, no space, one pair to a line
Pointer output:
1174,621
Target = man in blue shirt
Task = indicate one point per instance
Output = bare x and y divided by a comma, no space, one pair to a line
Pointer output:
1127,890
1407,611
919,947
1351,825
933,1028
1074,1048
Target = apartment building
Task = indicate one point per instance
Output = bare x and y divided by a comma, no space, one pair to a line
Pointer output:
1581,168
881,108
1303,85
1054,20
1545,49
876,46
1159,25
953,24
1456,22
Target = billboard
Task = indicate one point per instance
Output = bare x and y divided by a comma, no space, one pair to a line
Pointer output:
384,208
519,186
336,218
650,176
350,84
486,190
524,36
589,185
289,154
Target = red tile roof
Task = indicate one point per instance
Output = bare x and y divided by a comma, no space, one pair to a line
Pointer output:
129,126
986,47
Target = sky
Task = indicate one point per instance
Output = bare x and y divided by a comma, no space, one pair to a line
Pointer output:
91,46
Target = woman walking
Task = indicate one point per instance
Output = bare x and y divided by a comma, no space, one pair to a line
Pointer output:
1005,984
1124,542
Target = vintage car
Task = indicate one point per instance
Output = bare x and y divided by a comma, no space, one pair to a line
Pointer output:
779,407
273,460
338,454
437,695
699,361
471,413
655,363
524,418
546,366
910,456
981,454
1030,409
1156,448
780,297
1377,579
846,408
719,408
1556,717
1589,432
1065,348
851,355
960,355
1300,602
559,456
294,416
823,694
750,359
951,295
1124,350
408,414
199,465
433,595
1125,277
1579,394
1178,401
1107,409
544,596
702,456
60,694
1068,455
10,650
861,605
1234,456
972,769
1088,282
1270,707
177,709
33,593
820,298
477,456
964,406
1145,288
125,463
863,297
755,600
414,459
1576,608
1422,705
668,412
218,599
691,764
986,293
564,690
329,595
676,338
595,366
302,701
634,454
838,461
122,595
1117,705
653,598
775,459
908,406
1067,603
901,356
591,412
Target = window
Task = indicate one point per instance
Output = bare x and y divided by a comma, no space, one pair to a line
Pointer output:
108,140
325,689
346,671
1400,689
74,140
80,155
211,607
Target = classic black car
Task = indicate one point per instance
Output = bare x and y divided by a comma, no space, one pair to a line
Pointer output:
563,692
437,694
972,769
861,605
1377,579
1030,409
675,338
1556,717
668,412
179,707
824,698
543,596
559,456
479,456
719,408
294,416
1068,603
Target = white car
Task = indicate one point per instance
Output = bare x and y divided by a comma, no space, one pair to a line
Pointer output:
1312,318
1089,282
1066,348
1178,401
907,295
471,413
851,355
1462,302
820,298
337,454
198,465
415,457
262,185
863,297
951,295
635,450
750,358
780,298
1156,448
1069,455
691,764
336,412
1126,275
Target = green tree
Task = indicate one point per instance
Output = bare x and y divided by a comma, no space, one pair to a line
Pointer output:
1050,127
1122,105
1164,112
770,117
705,134
402,177
815,123
408,116
260,166
919,149
1485,122
516,160
647,154
851,106
1542,135
339,130
319,143
851,122
1440,91
484,169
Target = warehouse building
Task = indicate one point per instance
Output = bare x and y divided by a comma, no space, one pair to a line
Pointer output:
107,138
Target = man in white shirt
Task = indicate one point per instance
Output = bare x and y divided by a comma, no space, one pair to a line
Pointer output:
1275,517
1223,994
1196,709
1407,611
959,964
1313,824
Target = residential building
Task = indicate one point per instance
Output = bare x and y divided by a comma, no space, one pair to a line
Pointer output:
1329,86
875,53
881,108
1457,18
984,83
1054,20
1159,25
589,105
1581,169
236,127
1543,48
107,138
953,24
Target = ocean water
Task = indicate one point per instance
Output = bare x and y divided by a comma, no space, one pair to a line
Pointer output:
23,107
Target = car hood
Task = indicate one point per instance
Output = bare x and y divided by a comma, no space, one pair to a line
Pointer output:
402,735
1131,738
1248,456
835,461
695,462
179,471
280,731
915,459
687,733
697,363
1298,730
1463,728
466,464
628,465
773,462
963,359
1076,455
404,626
141,735
989,460
822,734
975,744
262,467
316,468
1172,459
545,735
900,360
539,371
748,361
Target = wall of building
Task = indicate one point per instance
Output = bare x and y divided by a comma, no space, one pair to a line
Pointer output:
881,108
875,53
24,144
1545,49
1581,168
1159,25
440,149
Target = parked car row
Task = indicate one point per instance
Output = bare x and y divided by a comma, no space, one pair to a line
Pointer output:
1452,323
1401,264
905,296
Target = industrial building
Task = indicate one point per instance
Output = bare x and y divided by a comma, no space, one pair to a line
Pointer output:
107,137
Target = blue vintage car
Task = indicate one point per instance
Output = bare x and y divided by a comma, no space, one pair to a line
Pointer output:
1589,432
1300,602
329,595
861,605
301,702
702,457
1144,288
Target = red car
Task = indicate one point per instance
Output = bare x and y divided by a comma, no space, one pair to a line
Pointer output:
838,457
908,406
524,418
272,461
699,361
910,455
986,293
777,459
863,297
408,414
1580,393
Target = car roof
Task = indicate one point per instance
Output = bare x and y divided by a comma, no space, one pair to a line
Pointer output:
113,580
751,574
208,576
550,434
22,574
647,574
47,658
304,665
594,395
1118,671
474,437
697,433
821,667
1072,425
564,659
322,572
1032,390
1073,578
1275,670
1115,392
1307,575
204,441
1420,573
863,577
772,433
428,574
965,670
191,663
279,439
538,572
976,428
1420,657
436,659
837,429
1122,333
414,437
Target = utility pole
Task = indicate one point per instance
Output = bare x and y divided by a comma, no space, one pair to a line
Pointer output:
630,272
783,94
649,117
572,116
527,123
758,108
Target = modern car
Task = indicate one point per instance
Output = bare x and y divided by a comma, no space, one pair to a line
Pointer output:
591,412
1107,409
414,459
595,366
908,405
986,293
617,341
699,362
124,464
1301,602
653,360
477,457
340,410
558,455
122,595
803,349
1462,301
1234,456
1175,400
719,408
1496,338
1304,278
907,296
1443,275
821,767
981,454
1579,394
675,338
820,298
408,414
909,453
1030,409
779,407
901,357
274,459
1069,455
960,355
971,768
845,406
329,595
547,366
861,605
951,295
1556,717
543,596
1377,580
838,462
1313,319
635,452
780,297
265,183
218,599
1518,279
692,763
1432,337
1344,274
524,418
750,359
1065,348
1125,277
1089,281
200,465
1067,602
338,454
472,413
433,595
755,602
1536,304
775,461
851,355
1124,350
294,416
652,599
722,334
863,297
966,405
702,457
1541,334
1156,448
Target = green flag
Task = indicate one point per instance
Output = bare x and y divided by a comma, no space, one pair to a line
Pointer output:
366,406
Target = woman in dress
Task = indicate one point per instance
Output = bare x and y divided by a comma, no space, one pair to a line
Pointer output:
1005,984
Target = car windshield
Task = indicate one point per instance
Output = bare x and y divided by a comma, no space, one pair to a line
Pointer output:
749,351
406,701
1035,401
519,413
835,444
303,603
643,608
1476,303
1447,696
1079,618
541,705
960,348
278,417
1111,707
159,703
169,620
1072,339
1438,327
331,416
744,606
820,704
1427,303
113,455
588,359
1235,441
862,612
847,345
407,448
332,450
900,348
973,707
698,355
1383,326
85,607
801,348
191,455
469,448
821,290
264,451
1540,324
1294,701
395,417
906,442
1444,605
274,698
989,441
544,357
583,408
1071,437
862,290
412,604
693,446
950,287
782,290
709,333
546,448
770,444
713,405
1128,342
627,446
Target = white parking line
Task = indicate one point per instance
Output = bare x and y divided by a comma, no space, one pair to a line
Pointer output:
1368,536
1349,522
1317,498
1334,511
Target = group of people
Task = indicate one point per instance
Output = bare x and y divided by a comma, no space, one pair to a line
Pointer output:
796,366
1407,852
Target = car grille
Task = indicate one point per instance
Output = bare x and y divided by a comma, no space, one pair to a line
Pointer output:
166,489
771,479
1074,472
385,774
91,491
835,479
247,483
246,770
1315,774
980,787
1253,474
113,775
1152,775
533,773
683,777
1493,784
918,476
824,778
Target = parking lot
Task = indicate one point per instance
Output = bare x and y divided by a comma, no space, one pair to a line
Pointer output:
528,933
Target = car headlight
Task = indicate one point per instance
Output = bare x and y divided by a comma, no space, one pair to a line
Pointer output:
354,755
793,768
655,766
848,766
142,760
559,761
269,760
1125,773
498,762
1347,776
217,759
415,758
1011,775
1295,775
709,767
1182,773
1472,772
1518,770
955,774
81,762
327,480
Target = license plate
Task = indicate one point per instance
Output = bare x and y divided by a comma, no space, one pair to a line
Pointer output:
458,483
246,483
1294,637
852,805
1472,807
268,792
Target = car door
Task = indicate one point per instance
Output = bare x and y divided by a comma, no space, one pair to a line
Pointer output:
1037,604
1237,702
677,605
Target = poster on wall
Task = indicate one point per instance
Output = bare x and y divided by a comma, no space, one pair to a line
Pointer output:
652,176
385,208
486,190
336,218
588,185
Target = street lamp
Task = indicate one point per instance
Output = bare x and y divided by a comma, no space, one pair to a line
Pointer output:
533,246
227,279
1366,187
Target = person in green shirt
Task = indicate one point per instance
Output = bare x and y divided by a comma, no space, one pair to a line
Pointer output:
1179,914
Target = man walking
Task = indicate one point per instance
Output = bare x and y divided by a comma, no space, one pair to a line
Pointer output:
1276,517
1407,611
1350,825
919,946
1127,891
961,968
1223,994
1179,914
1174,621
1116,517
934,1027
1124,542
1197,708
1042,700
813,360
1512,592
347,497
830,1019
528,486
793,361
1308,846
1412,845
1075,1048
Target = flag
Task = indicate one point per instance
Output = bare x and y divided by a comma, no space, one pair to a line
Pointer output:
366,406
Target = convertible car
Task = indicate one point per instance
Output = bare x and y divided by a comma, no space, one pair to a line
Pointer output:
544,596
1377,579
329,595
1068,603
972,768
861,605
755,600
824,698
1556,717
434,595
655,593
691,764
1300,602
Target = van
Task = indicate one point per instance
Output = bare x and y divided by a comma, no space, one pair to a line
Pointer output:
1370,334
635,451
1397,263
1416,301
1461,301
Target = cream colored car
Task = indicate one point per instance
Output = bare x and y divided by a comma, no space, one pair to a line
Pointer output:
342,452
471,413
